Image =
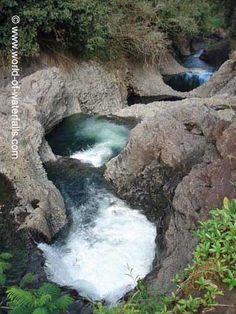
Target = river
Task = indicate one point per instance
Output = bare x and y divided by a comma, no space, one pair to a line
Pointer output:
108,245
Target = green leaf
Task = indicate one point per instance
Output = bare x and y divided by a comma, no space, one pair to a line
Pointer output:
49,288
63,302
41,310
6,256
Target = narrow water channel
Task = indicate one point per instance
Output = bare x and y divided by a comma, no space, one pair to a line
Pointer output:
199,72
109,245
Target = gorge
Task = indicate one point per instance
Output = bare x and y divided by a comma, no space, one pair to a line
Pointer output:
109,246
112,193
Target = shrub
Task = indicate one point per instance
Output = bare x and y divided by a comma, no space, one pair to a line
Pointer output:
104,28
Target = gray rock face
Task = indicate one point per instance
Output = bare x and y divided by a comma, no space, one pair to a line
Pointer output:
174,168
97,89
44,101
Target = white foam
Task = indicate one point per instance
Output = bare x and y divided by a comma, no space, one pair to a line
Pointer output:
103,260
96,155
108,137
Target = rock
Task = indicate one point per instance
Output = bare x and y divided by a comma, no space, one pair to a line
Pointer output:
216,54
197,44
97,89
44,102
223,82
170,66
45,152
178,164
225,107
147,81
81,307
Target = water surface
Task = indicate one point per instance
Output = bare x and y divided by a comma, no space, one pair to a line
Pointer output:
109,245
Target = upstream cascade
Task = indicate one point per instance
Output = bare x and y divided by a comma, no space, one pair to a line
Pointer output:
198,73
109,246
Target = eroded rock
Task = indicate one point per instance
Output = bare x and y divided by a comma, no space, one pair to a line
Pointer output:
44,102
178,164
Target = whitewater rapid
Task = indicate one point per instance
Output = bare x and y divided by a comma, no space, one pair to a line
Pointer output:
109,245
108,137
103,260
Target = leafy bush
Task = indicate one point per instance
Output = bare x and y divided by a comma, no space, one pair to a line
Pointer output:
104,28
189,17
213,271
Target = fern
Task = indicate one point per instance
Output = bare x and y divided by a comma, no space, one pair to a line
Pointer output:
20,298
45,300
27,280
4,266
41,310
63,302
21,310
49,288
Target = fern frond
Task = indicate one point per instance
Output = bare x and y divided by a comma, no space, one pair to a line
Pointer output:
49,288
43,300
63,302
28,279
21,310
20,298
41,310
5,256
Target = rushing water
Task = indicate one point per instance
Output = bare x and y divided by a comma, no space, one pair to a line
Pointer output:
109,245
199,73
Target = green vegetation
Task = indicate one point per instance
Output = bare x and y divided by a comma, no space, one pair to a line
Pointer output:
230,15
47,299
212,273
105,28
4,266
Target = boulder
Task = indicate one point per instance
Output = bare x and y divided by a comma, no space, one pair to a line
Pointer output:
170,66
